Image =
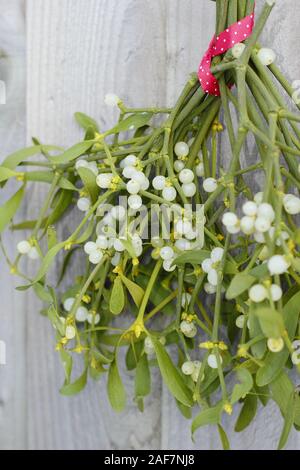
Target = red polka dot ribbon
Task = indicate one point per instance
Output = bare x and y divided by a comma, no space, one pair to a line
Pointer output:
238,32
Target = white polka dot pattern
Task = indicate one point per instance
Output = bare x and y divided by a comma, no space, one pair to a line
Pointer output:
238,32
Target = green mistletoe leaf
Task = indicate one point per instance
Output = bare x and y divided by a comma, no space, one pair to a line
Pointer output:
117,298
73,152
171,376
142,380
76,387
136,292
14,160
115,388
6,173
89,182
133,122
86,121
239,284
8,210
240,390
271,322
247,413
208,416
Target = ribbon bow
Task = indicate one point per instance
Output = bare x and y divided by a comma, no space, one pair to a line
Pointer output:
237,32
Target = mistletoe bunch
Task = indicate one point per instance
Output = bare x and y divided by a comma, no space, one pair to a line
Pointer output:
207,289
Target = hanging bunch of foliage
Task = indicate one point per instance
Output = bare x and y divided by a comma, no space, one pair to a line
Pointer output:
183,265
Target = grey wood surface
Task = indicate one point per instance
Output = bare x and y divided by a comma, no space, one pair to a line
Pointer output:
74,53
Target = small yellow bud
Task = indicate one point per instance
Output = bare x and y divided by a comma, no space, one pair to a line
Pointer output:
13,270
291,245
206,345
228,408
242,351
198,271
86,299
20,176
222,346
135,262
138,330
220,237
118,270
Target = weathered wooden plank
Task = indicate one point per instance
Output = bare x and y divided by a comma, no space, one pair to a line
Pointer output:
12,315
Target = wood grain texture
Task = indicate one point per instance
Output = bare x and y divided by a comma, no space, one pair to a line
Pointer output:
12,312
78,50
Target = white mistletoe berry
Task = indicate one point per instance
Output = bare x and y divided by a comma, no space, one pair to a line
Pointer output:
188,329
95,257
209,288
133,187
266,56
81,314
238,50
169,194
266,211
188,368
276,292
93,318
210,185
33,253
168,265
230,219
186,176
135,202
89,247
212,361
104,180
278,264
178,165
247,225
189,189
258,293
24,247
296,354
240,321
217,254
275,344
212,277
70,332
181,149
128,172
291,204
159,183
250,208
83,204
68,304
111,99
182,244
262,224
207,265
129,161
166,253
